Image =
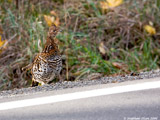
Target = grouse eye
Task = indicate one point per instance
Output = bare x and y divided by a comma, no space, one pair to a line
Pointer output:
50,47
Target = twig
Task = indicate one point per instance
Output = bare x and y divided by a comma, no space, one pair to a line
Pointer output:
17,4
67,73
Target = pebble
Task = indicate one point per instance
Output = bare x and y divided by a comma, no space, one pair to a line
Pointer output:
80,83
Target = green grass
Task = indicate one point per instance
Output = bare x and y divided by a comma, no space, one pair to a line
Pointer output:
84,26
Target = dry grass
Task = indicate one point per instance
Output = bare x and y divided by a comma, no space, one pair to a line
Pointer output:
84,26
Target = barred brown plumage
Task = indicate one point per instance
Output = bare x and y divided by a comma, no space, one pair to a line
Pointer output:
47,65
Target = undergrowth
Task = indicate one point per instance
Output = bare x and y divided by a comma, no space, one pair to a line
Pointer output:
84,25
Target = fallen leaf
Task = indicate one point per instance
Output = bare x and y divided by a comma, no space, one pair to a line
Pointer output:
2,42
103,5
150,29
118,65
53,13
94,76
110,3
56,22
121,66
102,48
52,19
49,19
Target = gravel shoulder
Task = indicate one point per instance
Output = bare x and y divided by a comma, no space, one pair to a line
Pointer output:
80,83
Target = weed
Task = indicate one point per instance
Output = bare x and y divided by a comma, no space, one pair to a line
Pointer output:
84,25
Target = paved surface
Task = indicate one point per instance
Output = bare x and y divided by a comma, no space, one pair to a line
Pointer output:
113,107
136,105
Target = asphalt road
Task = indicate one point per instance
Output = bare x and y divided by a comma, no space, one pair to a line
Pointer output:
135,105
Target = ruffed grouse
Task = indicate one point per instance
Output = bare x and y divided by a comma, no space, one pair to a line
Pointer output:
47,65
